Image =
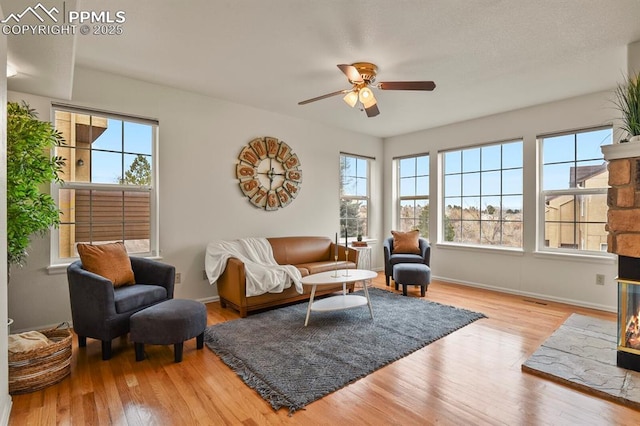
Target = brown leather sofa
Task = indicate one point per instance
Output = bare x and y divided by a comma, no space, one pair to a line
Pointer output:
309,254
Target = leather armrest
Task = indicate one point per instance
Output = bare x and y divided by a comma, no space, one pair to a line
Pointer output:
353,254
232,284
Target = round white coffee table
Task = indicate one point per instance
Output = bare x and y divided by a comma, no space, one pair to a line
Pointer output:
344,300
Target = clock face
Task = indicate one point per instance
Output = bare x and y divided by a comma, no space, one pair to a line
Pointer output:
269,173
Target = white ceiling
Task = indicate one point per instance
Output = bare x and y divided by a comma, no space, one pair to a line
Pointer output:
485,56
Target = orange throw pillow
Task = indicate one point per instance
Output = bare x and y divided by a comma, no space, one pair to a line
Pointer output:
108,260
406,242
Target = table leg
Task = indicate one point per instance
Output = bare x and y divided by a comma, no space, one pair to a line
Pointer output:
344,289
313,293
366,293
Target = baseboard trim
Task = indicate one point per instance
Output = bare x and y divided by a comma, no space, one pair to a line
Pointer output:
209,299
573,302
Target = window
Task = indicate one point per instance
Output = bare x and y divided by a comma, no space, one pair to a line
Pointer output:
574,182
483,195
109,186
413,194
354,195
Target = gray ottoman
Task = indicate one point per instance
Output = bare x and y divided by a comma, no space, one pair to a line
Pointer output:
169,323
412,274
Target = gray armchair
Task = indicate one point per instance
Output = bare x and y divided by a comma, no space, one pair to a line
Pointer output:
391,258
102,312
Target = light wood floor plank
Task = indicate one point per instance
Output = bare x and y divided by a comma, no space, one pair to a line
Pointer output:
472,376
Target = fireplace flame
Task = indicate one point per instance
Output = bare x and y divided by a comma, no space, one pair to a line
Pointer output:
632,332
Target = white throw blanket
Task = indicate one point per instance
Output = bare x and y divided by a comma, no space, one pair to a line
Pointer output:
264,274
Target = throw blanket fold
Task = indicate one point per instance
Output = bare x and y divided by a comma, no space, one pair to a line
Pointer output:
264,274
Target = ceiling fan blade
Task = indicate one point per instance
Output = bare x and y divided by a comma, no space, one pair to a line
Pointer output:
406,85
328,95
351,72
372,111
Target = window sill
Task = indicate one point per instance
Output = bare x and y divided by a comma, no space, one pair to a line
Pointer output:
57,269
578,257
510,251
61,268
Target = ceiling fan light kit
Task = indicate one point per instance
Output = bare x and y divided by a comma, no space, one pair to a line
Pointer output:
366,97
351,98
362,75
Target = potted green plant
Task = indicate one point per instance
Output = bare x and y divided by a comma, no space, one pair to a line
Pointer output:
627,101
30,168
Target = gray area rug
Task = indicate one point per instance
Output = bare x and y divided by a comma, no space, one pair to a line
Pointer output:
581,353
290,365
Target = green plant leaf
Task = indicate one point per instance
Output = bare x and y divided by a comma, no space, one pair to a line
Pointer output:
29,167
627,101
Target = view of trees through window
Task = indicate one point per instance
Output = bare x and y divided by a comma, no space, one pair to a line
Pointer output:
108,181
482,202
413,190
139,172
354,195
574,188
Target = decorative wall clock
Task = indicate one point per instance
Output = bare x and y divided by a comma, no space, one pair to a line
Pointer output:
269,173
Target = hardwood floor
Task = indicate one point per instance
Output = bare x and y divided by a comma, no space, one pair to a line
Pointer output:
471,376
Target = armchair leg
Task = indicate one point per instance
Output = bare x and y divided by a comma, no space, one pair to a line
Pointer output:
177,351
139,351
82,341
106,350
200,340
386,277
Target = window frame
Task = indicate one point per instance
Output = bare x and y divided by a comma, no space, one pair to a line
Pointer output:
400,198
541,247
152,189
442,198
366,198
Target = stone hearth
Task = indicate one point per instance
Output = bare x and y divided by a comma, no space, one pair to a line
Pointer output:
581,353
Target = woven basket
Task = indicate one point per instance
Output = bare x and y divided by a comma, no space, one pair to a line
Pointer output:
36,369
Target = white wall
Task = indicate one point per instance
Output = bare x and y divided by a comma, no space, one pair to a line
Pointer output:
200,139
561,278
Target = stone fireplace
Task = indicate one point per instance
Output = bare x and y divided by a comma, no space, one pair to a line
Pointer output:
623,239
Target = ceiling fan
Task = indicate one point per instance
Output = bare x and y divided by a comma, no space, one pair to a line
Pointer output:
362,76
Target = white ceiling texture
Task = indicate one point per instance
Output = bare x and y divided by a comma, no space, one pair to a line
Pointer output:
485,56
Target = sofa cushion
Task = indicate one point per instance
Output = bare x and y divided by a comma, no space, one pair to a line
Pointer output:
300,250
406,242
108,260
394,259
132,298
317,267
